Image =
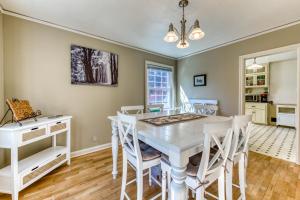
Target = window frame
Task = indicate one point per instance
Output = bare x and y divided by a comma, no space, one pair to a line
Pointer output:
173,95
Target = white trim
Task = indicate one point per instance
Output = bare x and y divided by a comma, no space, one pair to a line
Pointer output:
173,80
294,47
36,20
89,150
242,39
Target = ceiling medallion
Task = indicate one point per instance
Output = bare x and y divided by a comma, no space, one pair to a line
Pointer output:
195,33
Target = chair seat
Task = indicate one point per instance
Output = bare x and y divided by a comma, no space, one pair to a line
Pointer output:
195,160
150,154
193,165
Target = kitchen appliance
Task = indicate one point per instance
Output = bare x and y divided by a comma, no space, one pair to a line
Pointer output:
252,98
263,98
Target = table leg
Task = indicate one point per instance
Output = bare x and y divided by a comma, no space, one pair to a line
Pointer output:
115,147
14,171
178,187
68,142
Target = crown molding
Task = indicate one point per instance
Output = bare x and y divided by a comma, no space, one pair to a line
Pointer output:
242,39
47,23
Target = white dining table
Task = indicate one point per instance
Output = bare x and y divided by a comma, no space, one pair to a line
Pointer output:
178,140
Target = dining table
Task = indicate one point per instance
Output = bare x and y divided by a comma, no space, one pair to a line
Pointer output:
179,141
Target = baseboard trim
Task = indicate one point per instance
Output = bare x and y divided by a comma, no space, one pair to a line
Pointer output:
90,150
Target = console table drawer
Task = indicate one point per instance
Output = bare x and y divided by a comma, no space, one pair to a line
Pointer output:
33,133
58,126
41,170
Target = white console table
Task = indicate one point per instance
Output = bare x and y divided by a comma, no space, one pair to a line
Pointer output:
22,173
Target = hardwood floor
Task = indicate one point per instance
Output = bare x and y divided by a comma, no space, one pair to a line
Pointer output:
89,178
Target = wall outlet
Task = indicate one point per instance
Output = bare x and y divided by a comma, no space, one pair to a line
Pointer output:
94,138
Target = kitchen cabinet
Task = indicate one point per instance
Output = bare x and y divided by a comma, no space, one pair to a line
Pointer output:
257,78
259,112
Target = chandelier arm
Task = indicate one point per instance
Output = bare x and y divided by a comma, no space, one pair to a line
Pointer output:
176,30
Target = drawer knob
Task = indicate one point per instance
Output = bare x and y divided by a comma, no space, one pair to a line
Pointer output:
35,128
58,155
58,122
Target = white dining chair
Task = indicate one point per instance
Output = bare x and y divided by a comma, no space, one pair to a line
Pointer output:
207,166
205,109
137,154
155,108
136,109
238,154
187,107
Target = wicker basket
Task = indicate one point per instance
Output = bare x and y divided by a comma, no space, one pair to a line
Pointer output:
58,127
40,170
33,134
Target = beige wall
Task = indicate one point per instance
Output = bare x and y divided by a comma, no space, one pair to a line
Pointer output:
37,68
221,66
1,81
283,82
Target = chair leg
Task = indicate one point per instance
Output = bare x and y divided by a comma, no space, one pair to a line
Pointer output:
169,183
150,180
193,194
200,193
164,185
229,175
245,167
124,176
221,186
242,178
139,181
187,193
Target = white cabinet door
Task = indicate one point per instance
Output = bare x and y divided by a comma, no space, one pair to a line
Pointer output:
250,111
260,116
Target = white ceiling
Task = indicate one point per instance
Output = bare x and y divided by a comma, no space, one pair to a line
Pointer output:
143,23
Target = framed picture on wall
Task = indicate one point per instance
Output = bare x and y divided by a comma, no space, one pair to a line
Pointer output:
200,80
94,67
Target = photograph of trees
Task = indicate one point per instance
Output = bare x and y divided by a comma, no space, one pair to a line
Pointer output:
91,66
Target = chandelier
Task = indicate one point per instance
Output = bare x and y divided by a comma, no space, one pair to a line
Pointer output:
254,65
195,33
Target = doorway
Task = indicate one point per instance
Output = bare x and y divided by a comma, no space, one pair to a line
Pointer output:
269,90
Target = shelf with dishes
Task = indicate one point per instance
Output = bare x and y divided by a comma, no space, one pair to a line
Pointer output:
257,79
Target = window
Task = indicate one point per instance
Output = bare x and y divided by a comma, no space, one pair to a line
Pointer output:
159,84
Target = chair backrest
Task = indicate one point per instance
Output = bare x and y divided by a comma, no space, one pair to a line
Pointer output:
138,109
155,108
205,109
199,108
211,109
128,135
187,107
242,128
220,134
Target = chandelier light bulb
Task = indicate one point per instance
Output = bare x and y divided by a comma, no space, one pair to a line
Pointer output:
171,36
183,44
196,33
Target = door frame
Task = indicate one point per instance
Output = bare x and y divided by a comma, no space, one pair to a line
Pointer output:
294,47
